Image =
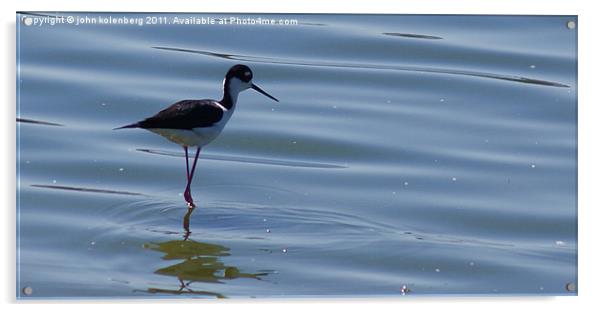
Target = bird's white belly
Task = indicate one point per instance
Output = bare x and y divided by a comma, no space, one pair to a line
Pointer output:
194,137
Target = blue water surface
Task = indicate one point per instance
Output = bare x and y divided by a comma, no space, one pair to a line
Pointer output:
416,155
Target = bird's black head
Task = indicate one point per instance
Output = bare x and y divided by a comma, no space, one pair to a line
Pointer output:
239,79
242,72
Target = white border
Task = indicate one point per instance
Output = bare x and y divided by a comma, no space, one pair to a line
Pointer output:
589,145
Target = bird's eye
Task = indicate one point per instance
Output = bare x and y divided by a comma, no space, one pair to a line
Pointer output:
247,74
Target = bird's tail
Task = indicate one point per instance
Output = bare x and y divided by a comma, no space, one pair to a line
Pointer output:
134,125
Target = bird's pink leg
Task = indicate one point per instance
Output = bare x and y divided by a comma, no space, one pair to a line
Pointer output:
187,195
196,157
187,170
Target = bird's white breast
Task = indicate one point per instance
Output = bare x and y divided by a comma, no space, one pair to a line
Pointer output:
196,136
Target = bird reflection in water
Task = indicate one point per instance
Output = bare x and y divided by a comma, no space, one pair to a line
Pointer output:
202,262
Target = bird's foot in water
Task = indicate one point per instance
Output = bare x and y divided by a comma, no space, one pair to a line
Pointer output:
188,198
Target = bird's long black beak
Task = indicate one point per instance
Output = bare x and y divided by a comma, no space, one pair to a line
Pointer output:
258,89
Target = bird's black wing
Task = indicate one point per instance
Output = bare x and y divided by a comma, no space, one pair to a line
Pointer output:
186,114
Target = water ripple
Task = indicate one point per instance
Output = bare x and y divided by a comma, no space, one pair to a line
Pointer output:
414,36
249,160
282,61
84,189
39,122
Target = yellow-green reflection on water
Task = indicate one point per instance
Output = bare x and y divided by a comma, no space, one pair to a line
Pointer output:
202,262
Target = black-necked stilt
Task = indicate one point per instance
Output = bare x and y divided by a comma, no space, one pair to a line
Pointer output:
198,122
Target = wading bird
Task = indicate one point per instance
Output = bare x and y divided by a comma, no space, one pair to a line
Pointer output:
198,122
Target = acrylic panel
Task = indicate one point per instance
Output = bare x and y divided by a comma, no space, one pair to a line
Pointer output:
407,155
